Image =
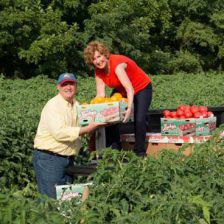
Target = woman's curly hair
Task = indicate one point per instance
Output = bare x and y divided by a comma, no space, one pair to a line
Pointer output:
93,46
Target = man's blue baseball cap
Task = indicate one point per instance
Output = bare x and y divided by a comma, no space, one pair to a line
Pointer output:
66,77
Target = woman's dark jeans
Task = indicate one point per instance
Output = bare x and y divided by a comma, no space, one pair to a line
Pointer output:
50,171
142,101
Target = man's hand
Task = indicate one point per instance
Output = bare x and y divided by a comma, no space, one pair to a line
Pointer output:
91,127
94,125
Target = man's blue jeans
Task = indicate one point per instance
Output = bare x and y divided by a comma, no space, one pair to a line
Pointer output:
50,171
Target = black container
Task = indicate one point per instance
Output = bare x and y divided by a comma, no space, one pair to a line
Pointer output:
81,170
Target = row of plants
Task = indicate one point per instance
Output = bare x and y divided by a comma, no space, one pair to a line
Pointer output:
127,189
22,102
145,194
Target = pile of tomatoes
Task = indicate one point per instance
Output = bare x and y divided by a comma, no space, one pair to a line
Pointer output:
187,111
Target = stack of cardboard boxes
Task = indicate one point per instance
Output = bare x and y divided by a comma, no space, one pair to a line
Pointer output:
175,133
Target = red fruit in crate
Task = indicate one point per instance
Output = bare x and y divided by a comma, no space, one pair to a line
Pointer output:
166,113
194,109
210,114
173,114
180,113
181,107
204,114
197,114
203,108
187,108
188,114
182,117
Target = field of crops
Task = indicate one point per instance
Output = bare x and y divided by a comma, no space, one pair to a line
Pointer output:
126,189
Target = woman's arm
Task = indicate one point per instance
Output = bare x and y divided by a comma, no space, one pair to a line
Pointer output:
125,81
100,87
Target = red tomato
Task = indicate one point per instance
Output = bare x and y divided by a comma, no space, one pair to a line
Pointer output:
173,114
181,107
203,108
180,113
166,113
188,114
197,114
187,107
182,117
194,109
204,114
184,107
210,114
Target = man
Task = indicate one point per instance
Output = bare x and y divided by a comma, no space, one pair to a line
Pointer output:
57,140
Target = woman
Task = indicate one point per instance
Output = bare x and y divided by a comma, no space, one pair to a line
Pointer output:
126,77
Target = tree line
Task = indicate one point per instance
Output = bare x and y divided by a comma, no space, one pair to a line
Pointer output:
163,37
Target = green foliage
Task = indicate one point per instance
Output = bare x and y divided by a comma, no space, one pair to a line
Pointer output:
169,91
22,102
137,22
126,189
170,189
184,61
48,37
35,38
21,105
17,209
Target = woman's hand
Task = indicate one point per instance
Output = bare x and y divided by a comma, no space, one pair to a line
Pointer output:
127,115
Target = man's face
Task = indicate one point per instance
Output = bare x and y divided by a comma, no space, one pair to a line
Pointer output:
67,90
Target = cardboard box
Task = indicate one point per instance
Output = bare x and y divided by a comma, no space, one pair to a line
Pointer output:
191,126
155,148
158,138
205,126
67,192
152,149
155,142
177,127
111,112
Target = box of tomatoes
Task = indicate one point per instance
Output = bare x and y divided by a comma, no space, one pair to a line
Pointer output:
177,127
109,112
192,126
188,120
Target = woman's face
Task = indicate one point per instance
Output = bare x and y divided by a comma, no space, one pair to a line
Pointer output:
99,60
